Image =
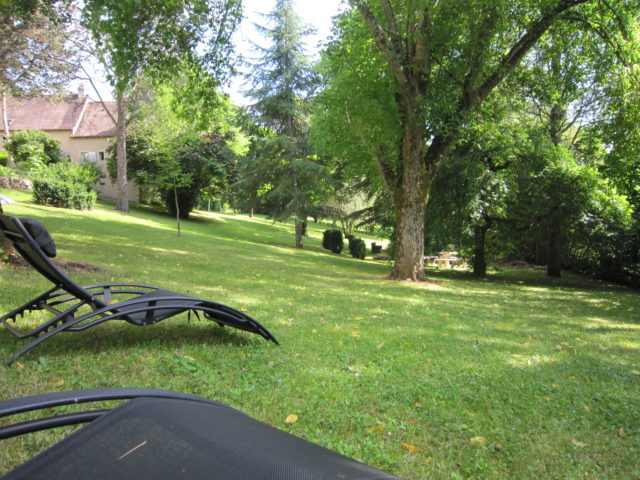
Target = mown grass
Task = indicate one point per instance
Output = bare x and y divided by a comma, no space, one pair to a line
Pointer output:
513,377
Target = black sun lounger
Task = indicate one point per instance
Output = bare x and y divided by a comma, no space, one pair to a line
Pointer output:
67,301
164,435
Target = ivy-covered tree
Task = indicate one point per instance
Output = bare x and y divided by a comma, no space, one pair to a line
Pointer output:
280,166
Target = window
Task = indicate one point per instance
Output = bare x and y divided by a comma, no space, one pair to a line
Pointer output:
88,157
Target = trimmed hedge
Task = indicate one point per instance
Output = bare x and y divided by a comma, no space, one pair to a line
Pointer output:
357,248
58,193
67,185
333,240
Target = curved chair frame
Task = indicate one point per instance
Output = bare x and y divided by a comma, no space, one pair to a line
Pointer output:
146,304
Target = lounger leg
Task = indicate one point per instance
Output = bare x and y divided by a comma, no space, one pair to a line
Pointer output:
37,341
35,304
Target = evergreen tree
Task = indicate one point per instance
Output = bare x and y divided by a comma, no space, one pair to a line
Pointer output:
280,164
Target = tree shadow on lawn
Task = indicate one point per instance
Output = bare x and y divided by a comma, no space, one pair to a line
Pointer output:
531,277
112,338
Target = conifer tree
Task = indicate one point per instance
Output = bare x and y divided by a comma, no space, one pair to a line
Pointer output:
281,165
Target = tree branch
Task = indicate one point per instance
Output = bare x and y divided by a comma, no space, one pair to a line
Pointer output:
520,49
386,46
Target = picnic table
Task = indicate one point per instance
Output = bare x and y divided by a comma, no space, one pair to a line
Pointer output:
444,259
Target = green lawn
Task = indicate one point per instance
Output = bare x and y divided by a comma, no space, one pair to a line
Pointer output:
513,377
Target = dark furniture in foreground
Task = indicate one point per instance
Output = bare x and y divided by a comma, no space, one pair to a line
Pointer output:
163,435
76,308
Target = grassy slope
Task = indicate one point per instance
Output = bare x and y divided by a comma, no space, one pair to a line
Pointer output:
547,373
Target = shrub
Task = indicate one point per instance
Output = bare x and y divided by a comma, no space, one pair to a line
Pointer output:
357,248
33,149
3,159
332,240
66,185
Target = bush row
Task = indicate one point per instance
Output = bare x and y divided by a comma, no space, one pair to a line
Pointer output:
333,240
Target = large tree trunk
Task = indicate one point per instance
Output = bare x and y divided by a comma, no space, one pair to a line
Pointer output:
554,255
410,200
5,126
122,202
479,257
299,233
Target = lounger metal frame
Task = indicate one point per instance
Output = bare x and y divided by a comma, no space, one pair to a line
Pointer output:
145,305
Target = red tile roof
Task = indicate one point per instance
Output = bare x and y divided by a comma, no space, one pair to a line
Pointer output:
96,122
82,116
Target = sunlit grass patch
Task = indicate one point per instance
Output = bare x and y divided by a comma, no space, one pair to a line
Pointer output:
516,376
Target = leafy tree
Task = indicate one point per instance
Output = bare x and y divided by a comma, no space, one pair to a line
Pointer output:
176,153
157,37
281,169
440,62
35,56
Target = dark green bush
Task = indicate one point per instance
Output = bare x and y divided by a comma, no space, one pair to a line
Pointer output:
3,159
357,248
333,240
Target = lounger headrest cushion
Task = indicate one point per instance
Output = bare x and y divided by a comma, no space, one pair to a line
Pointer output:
40,235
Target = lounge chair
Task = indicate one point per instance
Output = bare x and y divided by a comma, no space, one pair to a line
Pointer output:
164,435
76,308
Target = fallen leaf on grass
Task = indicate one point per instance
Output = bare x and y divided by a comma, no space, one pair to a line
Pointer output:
635,372
478,441
19,366
291,418
578,443
355,335
57,383
409,448
189,357
377,429
571,377
622,433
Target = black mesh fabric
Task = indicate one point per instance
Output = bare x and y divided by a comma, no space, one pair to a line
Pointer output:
40,235
180,439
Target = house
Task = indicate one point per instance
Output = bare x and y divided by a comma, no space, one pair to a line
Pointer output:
83,127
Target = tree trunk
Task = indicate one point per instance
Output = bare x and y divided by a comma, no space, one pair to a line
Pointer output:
554,259
299,233
122,201
410,199
5,126
479,258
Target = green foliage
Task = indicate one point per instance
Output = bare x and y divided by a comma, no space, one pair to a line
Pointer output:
357,248
67,185
33,149
159,37
332,240
197,162
172,157
3,159
280,176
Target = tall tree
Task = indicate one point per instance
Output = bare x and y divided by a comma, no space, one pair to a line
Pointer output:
282,83
35,57
442,61
158,37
